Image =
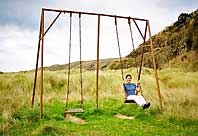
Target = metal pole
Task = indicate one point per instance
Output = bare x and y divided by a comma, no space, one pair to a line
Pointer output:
41,81
52,23
138,29
154,65
97,62
88,13
37,59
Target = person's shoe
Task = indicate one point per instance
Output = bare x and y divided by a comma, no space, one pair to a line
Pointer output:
149,104
146,105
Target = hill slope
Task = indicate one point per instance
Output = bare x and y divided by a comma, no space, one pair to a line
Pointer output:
88,65
176,40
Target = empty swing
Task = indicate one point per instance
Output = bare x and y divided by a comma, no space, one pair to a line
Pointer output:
81,109
122,73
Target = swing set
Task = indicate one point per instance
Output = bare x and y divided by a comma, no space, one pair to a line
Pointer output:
40,49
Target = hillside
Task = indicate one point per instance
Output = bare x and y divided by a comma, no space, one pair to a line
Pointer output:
88,65
179,39
177,43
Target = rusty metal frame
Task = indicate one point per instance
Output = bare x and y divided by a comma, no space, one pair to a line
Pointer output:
154,66
97,62
42,33
42,51
37,59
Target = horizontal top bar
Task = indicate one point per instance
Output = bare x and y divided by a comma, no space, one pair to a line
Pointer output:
88,13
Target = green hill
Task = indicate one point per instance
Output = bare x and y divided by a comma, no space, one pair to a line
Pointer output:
88,65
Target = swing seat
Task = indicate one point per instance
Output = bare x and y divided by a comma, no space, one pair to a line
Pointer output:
69,111
129,101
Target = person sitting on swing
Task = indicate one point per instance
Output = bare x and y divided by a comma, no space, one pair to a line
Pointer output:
133,92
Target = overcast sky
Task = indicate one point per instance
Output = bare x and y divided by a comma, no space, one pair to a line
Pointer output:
19,25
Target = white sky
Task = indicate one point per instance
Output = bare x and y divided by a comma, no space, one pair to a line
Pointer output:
19,25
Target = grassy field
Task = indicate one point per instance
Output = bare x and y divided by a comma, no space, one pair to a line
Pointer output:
179,94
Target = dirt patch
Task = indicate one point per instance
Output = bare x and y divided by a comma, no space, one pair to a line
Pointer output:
120,116
75,119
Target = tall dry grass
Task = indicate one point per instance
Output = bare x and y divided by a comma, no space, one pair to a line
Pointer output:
178,89
180,93
15,93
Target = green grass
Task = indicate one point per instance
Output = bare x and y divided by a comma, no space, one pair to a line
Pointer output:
178,90
99,122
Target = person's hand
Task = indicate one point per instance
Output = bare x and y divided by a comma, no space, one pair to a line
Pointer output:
138,83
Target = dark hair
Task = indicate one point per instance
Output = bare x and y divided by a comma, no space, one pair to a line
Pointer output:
128,75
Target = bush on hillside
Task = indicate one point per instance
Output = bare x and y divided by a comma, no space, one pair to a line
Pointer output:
188,40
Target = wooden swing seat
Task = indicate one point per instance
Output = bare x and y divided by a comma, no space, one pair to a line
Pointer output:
69,111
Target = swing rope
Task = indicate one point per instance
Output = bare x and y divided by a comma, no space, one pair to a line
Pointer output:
68,78
132,42
119,48
129,22
142,54
81,79
69,67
